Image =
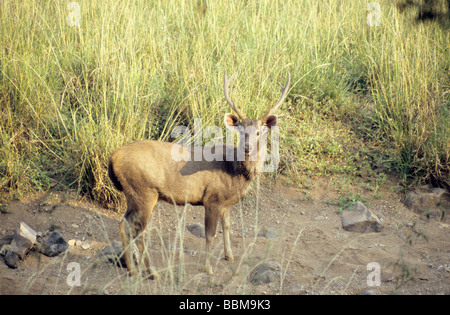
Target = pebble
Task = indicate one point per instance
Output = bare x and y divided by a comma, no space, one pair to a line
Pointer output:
86,246
75,243
267,233
197,230
265,272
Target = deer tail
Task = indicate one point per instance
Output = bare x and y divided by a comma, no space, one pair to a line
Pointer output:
113,176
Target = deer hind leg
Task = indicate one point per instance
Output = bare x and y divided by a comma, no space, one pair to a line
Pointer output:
150,202
211,218
132,229
126,232
225,219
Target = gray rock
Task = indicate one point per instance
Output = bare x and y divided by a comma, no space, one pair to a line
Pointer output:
114,254
24,238
6,240
297,288
360,219
12,258
265,272
429,201
267,233
54,245
21,242
197,230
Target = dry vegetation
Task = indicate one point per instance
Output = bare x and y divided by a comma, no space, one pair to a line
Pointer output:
368,105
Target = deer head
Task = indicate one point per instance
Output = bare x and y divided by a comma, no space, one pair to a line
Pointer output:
250,130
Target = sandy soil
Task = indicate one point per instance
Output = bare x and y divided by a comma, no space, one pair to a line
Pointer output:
316,255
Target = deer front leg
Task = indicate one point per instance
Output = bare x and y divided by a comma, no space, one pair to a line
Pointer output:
211,218
226,235
127,236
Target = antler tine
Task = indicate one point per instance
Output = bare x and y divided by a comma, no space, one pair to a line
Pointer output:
226,83
284,91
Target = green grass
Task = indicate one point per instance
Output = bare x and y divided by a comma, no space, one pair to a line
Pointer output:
361,96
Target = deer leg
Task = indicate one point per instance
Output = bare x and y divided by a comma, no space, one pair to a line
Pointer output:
127,235
151,199
225,219
211,218
132,228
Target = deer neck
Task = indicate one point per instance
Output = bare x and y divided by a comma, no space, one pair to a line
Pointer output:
247,168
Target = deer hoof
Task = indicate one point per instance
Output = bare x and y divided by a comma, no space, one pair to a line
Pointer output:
155,276
229,258
208,270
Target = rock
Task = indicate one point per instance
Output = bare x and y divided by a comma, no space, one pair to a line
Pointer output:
360,219
319,218
6,240
24,238
12,258
85,246
267,233
265,272
297,288
197,230
369,292
434,202
54,245
20,243
114,254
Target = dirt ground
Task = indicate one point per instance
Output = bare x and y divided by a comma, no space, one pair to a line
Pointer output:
316,255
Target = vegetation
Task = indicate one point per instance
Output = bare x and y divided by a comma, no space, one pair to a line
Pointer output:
75,85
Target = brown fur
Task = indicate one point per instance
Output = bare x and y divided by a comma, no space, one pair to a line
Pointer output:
146,172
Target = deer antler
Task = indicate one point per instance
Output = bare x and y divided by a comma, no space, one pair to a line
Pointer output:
284,91
226,83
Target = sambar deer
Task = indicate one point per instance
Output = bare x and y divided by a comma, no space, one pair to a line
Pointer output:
146,172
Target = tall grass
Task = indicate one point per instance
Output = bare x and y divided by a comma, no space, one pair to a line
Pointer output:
134,70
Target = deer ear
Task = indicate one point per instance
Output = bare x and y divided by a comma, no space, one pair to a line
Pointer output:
231,121
271,121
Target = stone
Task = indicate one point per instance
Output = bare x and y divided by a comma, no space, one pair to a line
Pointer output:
54,245
20,243
266,272
429,201
6,240
85,246
297,288
12,258
267,233
360,219
369,292
24,238
114,254
197,230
